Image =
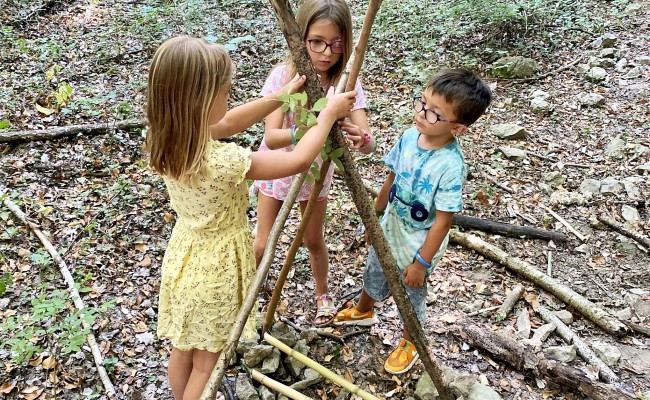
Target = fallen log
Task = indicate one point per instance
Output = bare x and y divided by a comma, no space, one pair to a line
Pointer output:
61,131
605,373
523,357
617,228
590,310
507,229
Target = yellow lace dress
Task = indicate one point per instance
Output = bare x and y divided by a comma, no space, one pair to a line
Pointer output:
209,262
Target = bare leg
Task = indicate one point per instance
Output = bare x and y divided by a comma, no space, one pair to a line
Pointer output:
366,303
267,211
179,370
315,242
203,364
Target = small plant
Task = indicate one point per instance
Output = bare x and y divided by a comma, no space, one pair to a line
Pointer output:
42,259
5,280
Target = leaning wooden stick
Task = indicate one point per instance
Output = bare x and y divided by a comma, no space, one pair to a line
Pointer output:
590,310
293,249
74,293
277,386
339,380
214,382
605,373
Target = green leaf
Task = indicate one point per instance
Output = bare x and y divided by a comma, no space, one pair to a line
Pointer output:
337,153
320,105
323,154
285,107
309,179
4,124
338,164
292,104
284,97
312,120
304,116
301,98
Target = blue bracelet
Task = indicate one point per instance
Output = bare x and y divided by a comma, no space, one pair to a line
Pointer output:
294,141
421,260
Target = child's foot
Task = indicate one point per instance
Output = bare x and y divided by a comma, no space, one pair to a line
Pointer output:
325,310
402,358
352,316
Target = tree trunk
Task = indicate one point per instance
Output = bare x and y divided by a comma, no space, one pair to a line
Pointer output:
596,314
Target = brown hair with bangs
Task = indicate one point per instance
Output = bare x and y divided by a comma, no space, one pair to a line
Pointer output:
185,76
336,11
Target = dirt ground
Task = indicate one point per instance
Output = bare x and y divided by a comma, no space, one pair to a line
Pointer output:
109,215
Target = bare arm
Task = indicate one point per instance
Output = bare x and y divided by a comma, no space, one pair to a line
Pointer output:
381,202
275,136
360,119
277,164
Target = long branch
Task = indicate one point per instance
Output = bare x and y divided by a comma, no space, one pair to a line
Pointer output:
74,293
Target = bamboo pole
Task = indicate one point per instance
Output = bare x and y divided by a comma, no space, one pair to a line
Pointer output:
277,386
590,310
327,373
74,293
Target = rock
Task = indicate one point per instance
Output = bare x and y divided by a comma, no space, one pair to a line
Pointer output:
545,188
561,353
595,223
569,198
425,389
514,67
608,53
509,131
543,332
642,60
611,185
540,94
582,68
590,187
634,73
245,345
310,335
636,149
284,333
271,363
311,378
294,366
616,148
513,153
523,324
266,393
631,188
473,306
245,389
482,392
606,352
583,248
282,397
554,177
606,40
642,308
630,214
592,100
620,65
145,338
344,394
644,167
626,248
256,354
596,74
540,106
624,314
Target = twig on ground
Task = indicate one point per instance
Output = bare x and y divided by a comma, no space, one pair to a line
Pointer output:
565,223
549,263
509,302
481,311
616,227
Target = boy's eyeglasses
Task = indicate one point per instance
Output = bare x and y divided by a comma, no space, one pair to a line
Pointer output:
431,116
418,212
319,46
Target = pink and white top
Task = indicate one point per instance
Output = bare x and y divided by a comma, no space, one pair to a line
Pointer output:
278,188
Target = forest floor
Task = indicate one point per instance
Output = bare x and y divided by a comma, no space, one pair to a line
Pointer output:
79,62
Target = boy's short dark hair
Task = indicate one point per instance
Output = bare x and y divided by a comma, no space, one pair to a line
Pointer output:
468,93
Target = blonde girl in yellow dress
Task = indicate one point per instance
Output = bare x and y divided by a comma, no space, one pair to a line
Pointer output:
209,261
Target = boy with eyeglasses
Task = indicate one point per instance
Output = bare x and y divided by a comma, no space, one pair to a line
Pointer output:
419,198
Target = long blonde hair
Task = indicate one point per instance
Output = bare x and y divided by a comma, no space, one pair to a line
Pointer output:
185,77
336,11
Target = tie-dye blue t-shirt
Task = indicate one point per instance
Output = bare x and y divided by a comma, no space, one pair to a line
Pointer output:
425,181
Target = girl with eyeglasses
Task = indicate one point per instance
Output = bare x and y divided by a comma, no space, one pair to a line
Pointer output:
326,26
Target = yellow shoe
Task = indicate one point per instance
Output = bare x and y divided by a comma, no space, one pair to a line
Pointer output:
402,358
352,316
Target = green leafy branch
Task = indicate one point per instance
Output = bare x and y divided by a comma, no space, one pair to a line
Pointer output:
305,118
